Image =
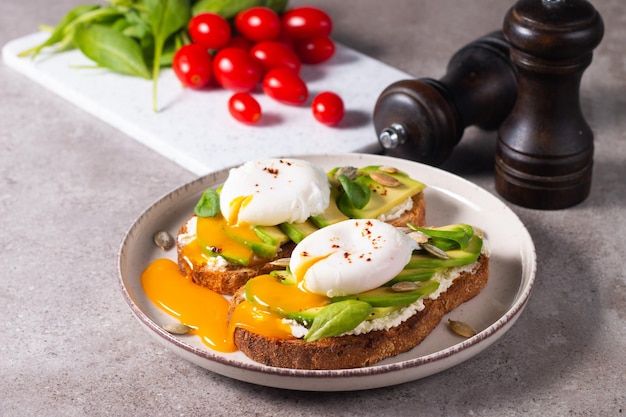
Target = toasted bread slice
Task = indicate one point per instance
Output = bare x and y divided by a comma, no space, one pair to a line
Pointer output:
227,278
354,351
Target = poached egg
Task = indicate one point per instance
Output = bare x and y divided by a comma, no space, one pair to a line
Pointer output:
271,191
350,257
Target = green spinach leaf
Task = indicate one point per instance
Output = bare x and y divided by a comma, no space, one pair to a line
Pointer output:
111,49
338,318
208,205
358,194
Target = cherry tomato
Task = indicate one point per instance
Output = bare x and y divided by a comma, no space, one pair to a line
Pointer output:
284,85
236,70
192,65
258,24
284,39
271,54
315,50
306,22
238,41
328,108
210,30
244,108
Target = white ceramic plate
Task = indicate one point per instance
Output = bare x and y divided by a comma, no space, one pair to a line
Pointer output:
449,199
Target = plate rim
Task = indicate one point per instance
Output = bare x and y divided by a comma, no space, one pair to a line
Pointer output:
529,267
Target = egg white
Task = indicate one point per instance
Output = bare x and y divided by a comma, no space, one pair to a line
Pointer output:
351,256
281,190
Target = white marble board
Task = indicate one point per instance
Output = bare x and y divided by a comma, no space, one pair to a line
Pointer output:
193,128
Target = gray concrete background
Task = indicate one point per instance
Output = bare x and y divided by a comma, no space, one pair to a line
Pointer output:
70,186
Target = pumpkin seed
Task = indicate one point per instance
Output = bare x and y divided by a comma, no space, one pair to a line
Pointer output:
384,179
434,250
404,286
163,240
389,170
176,328
349,172
419,237
461,328
280,262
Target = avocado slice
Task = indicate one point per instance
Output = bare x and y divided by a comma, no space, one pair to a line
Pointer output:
271,235
259,247
298,231
386,297
284,276
413,275
305,316
457,257
380,312
332,214
383,197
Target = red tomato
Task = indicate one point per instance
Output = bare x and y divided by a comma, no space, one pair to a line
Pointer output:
328,108
271,54
284,39
258,24
284,85
306,22
239,42
192,65
244,108
315,50
209,30
236,70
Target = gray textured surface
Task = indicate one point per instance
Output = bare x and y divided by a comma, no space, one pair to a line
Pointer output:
70,186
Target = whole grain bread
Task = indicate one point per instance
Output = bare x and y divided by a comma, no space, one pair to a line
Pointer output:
354,351
226,279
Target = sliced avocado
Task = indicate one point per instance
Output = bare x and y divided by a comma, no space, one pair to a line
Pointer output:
332,214
380,312
386,297
284,276
383,197
305,316
457,257
298,231
259,247
271,235
413,275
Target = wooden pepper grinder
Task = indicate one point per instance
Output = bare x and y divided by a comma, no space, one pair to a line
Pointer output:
544,153
424,119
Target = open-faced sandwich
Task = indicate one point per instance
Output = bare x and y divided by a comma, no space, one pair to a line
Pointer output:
267,206
357,292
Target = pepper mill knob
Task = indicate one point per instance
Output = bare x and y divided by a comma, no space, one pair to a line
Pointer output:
544,153
424,119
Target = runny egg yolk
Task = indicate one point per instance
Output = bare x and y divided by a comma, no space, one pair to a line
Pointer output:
206,312
201,309
236,205
269,297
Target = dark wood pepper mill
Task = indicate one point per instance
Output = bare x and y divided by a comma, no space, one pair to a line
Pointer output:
544,153
424,119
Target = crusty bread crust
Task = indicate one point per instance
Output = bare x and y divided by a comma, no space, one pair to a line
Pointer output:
227,279
417,214
354,351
